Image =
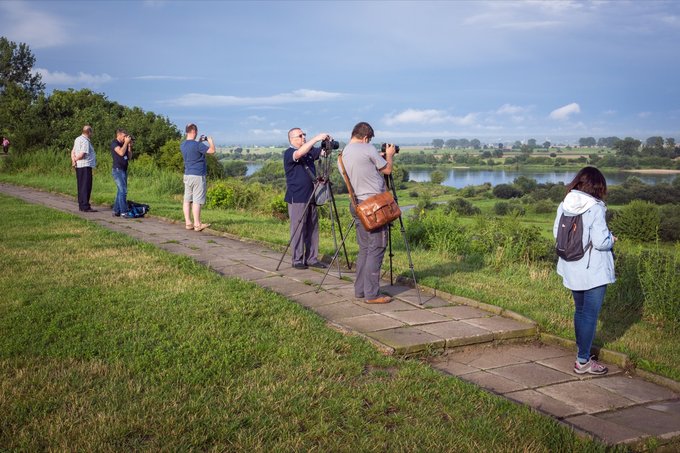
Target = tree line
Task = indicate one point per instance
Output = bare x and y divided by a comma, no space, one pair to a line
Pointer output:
35,120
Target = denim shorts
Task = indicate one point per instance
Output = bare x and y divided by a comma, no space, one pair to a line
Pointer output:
194,189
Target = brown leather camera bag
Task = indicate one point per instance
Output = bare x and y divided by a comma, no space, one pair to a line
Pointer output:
376,211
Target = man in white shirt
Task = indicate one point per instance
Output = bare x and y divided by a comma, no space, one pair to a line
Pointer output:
84,159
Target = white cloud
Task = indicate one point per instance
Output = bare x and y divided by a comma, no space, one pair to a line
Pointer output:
165,77
429,116
295,97
509,109
564,112
23,22
644,114
82,78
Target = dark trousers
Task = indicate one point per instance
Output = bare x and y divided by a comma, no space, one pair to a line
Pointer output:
84,179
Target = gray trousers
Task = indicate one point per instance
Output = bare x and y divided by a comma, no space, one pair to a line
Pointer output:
372,245
304,243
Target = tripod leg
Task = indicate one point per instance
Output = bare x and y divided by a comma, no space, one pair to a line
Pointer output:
389,241
342,238
335,256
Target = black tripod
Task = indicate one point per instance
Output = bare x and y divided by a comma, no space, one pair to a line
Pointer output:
390,185
319,183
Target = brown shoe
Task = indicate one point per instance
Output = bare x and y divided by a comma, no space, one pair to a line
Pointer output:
379,300
201,227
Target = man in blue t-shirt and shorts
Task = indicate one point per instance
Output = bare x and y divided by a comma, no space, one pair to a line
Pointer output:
298,163
195,171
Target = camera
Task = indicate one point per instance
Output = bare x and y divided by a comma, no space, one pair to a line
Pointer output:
383,148
132,139
329,145
203,138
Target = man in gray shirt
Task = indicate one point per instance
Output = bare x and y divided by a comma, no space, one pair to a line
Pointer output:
84,159
366,169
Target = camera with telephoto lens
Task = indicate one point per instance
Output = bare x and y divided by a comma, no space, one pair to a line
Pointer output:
383,148
203,138
132,139
329,145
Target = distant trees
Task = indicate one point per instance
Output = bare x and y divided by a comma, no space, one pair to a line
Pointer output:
627,147
437,143
587,141
36,121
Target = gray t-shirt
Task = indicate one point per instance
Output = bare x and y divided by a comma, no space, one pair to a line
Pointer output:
363,162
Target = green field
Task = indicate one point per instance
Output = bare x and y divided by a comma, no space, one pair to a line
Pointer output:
109,344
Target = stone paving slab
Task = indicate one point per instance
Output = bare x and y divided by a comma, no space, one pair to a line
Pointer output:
544,403
370,323
615,408
457,333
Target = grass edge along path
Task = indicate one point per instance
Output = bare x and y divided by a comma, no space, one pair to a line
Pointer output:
108,343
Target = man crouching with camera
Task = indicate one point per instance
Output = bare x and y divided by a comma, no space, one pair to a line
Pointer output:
366,169
298,163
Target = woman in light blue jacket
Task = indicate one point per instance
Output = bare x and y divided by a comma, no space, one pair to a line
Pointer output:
588,277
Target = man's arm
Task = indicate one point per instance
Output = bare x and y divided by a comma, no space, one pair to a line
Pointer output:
304,149
125,149
78,152
211,148
390,150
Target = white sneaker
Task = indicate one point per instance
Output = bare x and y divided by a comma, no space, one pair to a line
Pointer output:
590,367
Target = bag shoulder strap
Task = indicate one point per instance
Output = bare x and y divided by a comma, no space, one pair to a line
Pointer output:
352,197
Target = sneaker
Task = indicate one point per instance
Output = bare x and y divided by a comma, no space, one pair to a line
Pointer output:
590,367
318,265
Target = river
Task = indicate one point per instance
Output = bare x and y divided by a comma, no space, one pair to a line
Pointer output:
461,177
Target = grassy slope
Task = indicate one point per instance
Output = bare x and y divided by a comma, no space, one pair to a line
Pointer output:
110,344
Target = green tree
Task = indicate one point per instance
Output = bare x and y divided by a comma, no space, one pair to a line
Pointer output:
627,147
475,143
437,143
437,177
16,64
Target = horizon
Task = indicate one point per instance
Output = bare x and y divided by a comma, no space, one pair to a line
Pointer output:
494,71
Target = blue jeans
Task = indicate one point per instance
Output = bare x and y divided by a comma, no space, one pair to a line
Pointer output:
120,203
587,304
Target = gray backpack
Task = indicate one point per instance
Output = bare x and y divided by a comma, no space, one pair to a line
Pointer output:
569,243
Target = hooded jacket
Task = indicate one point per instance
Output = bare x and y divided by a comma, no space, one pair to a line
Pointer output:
596,268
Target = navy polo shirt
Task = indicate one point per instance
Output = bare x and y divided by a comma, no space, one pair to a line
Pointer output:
299,185
119,162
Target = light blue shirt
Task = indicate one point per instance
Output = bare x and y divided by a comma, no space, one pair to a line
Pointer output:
596,268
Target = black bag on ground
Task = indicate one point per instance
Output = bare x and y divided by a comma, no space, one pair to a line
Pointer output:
569,243
137,209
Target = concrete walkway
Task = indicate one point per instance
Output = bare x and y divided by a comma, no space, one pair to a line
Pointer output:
491,347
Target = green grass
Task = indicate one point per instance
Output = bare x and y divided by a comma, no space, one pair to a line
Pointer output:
111,344
534,291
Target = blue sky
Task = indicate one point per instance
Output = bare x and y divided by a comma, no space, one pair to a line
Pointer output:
246,72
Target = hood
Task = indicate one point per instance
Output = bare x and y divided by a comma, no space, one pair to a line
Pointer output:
577,202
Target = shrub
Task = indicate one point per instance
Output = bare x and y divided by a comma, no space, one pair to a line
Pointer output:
669,226
440,232
170,157
278,207
437,177
462,207
637,221
143,165
232,195
544,207
504,240
235,168
659,272
505,208
506,191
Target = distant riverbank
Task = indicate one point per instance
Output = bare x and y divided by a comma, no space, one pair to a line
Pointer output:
654,171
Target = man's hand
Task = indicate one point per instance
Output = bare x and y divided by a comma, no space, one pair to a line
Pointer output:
390,150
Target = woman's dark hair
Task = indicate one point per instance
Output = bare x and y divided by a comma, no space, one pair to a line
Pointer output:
591,181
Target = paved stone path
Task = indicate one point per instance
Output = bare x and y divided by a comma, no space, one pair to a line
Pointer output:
491,347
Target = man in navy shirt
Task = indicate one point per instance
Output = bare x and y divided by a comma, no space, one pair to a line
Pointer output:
298,162
195,171
121,152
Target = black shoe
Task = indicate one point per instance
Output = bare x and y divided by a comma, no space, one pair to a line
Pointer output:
89,210
299,266
318,265
116,214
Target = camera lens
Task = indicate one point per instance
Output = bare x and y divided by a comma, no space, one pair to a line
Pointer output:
383,148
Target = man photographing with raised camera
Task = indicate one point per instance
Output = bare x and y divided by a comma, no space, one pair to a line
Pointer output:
366,169
298,163
195,172
121,153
